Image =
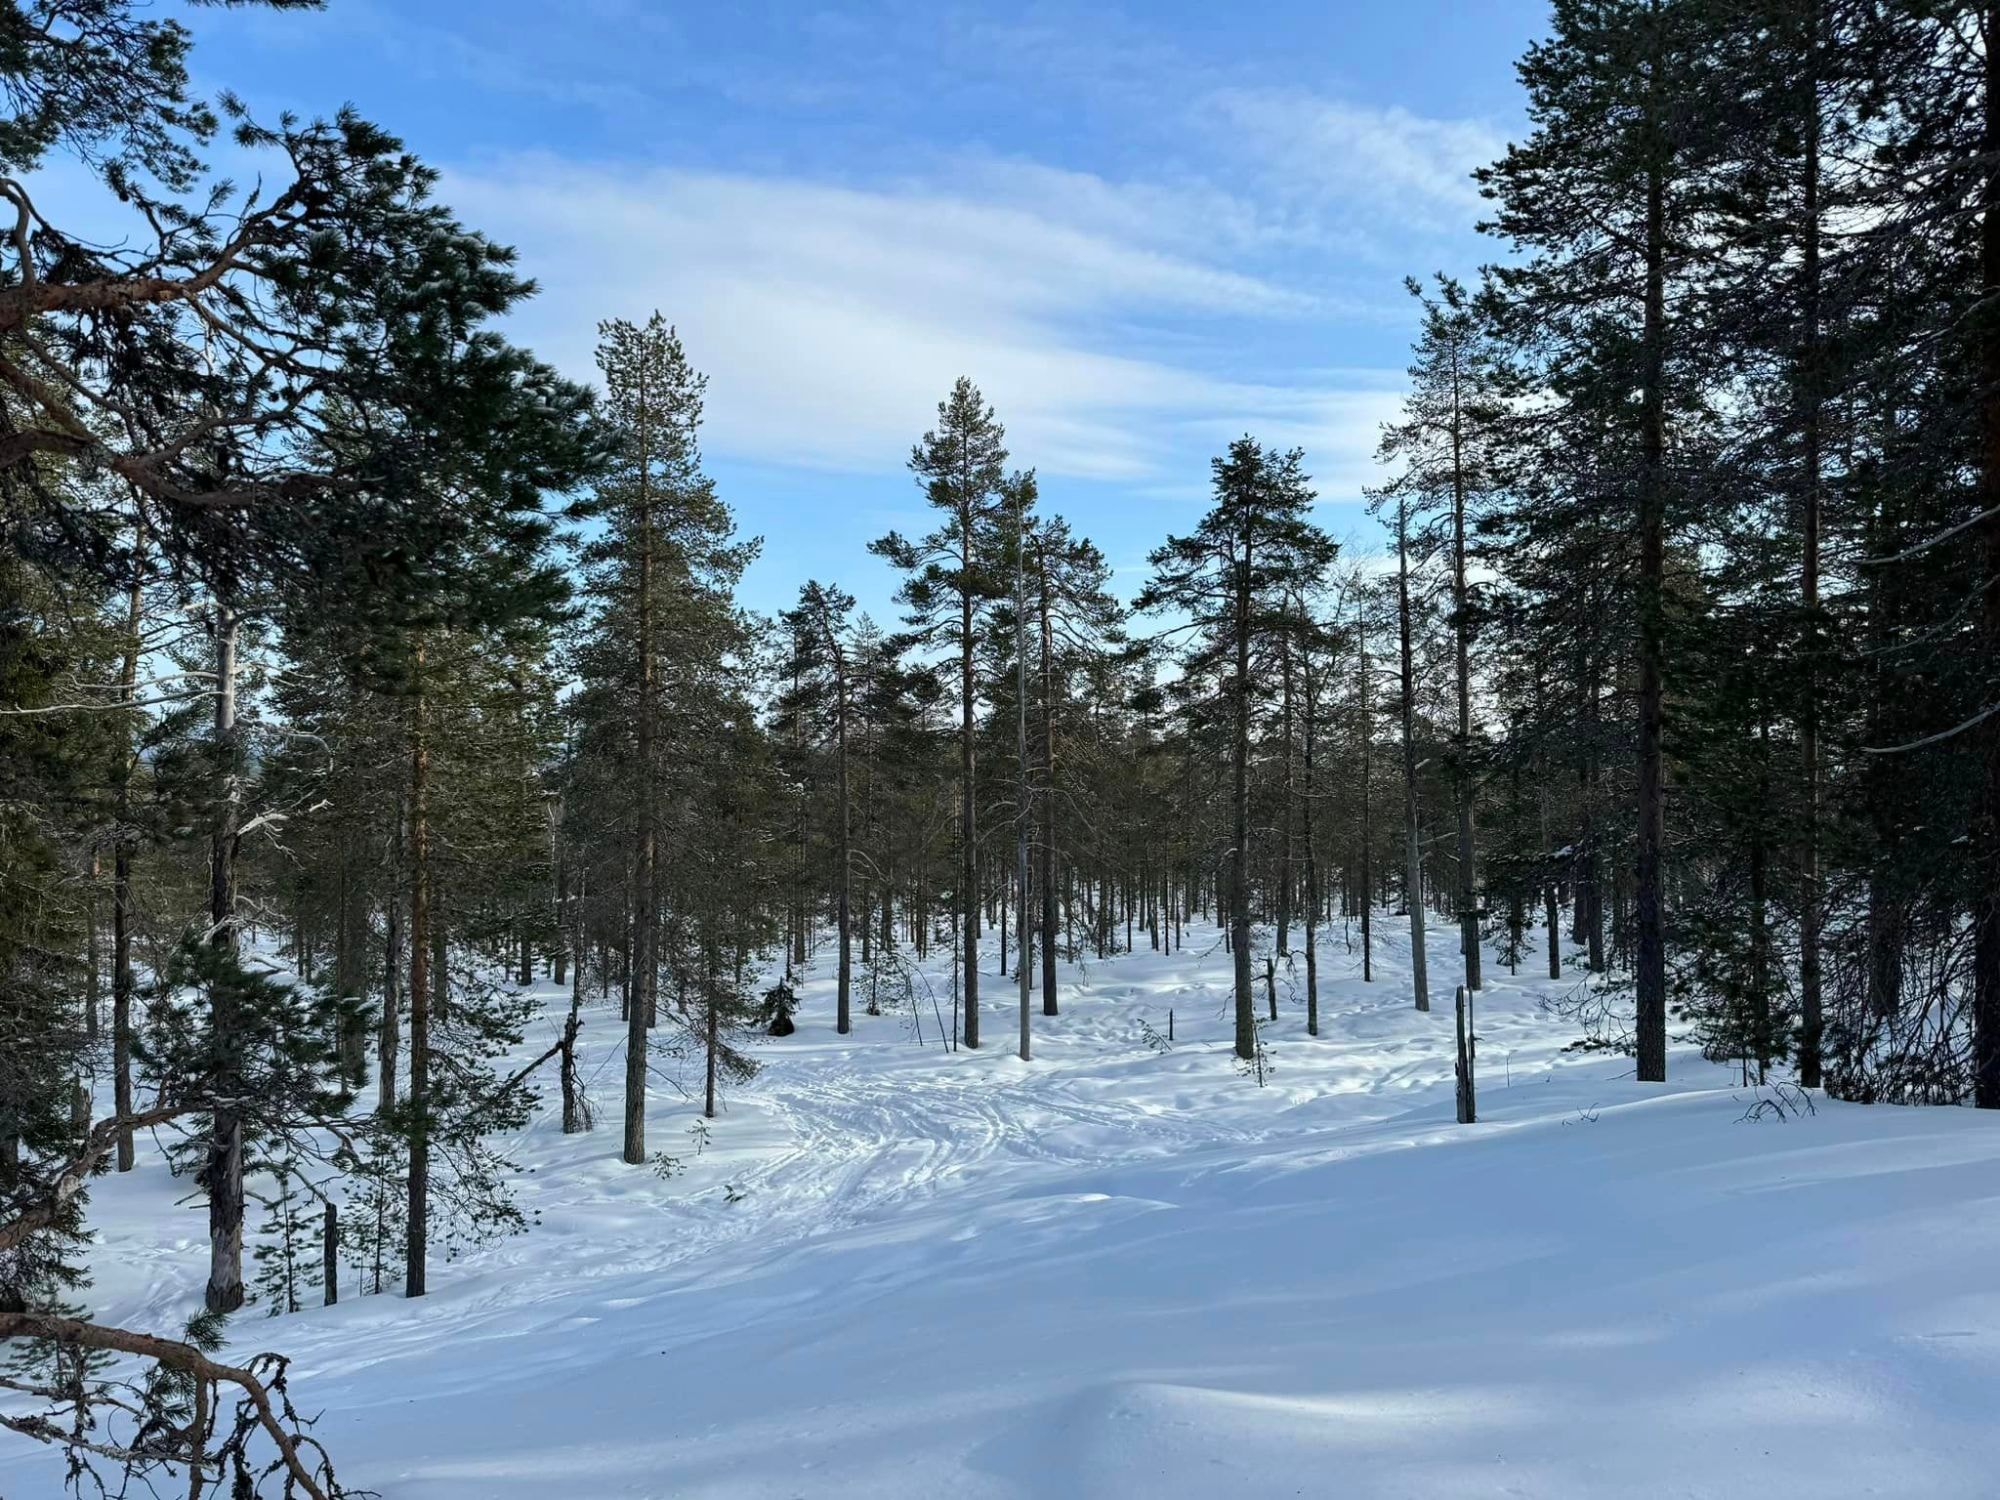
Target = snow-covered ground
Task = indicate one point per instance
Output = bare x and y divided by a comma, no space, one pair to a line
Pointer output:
902,1273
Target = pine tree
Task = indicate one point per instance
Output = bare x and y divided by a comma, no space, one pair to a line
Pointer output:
948,579
821,670
1231,578
1444,442
659,572
1076,620
1605,201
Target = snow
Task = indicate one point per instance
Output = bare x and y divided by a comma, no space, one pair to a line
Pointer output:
1117,1272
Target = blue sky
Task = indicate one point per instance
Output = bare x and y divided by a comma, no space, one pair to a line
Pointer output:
1141,229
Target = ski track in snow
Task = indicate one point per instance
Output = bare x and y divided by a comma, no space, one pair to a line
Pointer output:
1120,1272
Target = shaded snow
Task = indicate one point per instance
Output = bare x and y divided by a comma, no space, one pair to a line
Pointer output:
1114,1272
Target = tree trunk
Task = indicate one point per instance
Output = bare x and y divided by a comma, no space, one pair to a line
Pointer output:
1367,893
1811,897
329,1254
645,895
223,1173
968,846
1024,811
1049,1006
417,1228
573,1108
121,888
1468,1109
1285,796
1590,871
1760,946
1650,958
1239,853
714,1041
93,959
1881,776
1468,875
1312,861
388,1036
843,854
440,963
1413,867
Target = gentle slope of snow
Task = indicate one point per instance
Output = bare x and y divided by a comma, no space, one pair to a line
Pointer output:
1123,1273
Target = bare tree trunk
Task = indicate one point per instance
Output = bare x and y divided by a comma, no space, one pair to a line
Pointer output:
573,1108
1239,853
329,1254
121,884
645,896
1049,1006
1468,874
440,961
93,950
1552,918
844,853
714,1041
1760,939
417,1229
223,1173
559,957
1024,811
1468,1110
1590,892
1285,796
1312,859
968,844
1413,868
1367,897
389,1034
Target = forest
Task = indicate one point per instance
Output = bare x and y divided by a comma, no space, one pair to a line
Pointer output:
390,761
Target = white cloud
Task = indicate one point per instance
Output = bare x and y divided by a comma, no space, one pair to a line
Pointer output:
1388,158
831,319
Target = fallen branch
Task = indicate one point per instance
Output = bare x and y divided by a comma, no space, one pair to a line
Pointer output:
71,1177
264,1408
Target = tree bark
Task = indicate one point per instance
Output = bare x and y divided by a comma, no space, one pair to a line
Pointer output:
1024,812
1367,895
1811,897
1413,866
121,886
417,1228
1468,875
223,1173
1312,859
389,1035
1049,1005
844,853
968,846
645,895
1239,853
1285,795
1650,958
329,1254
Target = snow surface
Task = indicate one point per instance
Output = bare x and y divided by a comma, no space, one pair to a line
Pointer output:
1125,1273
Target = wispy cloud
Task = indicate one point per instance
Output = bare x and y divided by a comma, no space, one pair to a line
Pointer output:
1408,166
831,319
